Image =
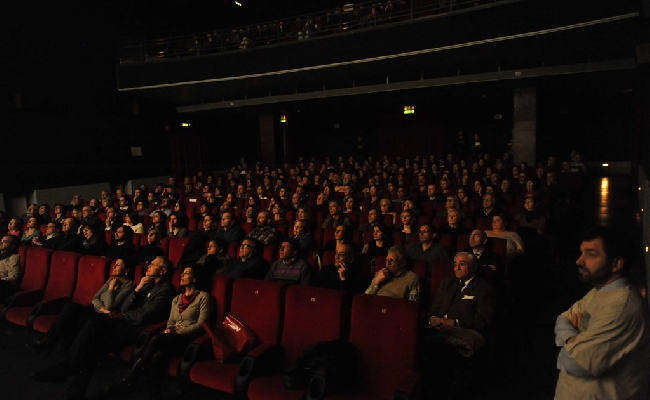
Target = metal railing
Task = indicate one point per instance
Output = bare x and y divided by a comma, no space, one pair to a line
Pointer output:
348,17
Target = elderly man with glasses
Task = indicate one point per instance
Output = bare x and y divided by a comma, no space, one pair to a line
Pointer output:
395,280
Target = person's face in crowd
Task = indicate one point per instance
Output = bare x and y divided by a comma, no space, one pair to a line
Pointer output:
66,225
463,267
119,268
405,218
58,210
207,222
377,234
31,223
155,218
213,248
333,208
343,256
50,229
119,234
299,228
286,251
262,218
152,236
349,203
339,232
372,216
394,263
7,243
110,213
156,268
226,220
594,265
250,213
173,220
452,218
529,204
426,233
431,190
476,239
88,233
461,193
385,207
487,201
246,249
302,214
408,205
497,223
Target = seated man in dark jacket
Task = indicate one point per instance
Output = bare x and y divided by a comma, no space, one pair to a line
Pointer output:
147,304
248,264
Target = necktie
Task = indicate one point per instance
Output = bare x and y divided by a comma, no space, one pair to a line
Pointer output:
462,285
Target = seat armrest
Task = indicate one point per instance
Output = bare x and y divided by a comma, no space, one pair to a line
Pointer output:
49,307
24,298
145,336
408,386
261,360
200,349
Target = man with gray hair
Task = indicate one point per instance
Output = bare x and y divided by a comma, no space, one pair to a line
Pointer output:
395,280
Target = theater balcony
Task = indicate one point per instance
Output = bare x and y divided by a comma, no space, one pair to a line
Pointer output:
361,49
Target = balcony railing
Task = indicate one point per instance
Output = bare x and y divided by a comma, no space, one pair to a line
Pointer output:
349,17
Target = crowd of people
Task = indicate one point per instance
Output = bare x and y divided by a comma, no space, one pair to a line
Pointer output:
354,224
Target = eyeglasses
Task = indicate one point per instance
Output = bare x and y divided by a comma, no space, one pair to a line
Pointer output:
424,231
391,260
246,245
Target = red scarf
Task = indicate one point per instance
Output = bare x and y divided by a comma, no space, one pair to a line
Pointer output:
186,301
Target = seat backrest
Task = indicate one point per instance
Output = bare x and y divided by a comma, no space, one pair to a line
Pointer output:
328,257
498,245
462,243
176,247
259,305
176,279
311,314
440,269
270,253
63,275
37,268
384,332
221,292
137,239
22,254
165,246
91,275
109,236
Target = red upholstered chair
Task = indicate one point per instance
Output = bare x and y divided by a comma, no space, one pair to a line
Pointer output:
311,314
328,257
221,290
109,235
440,269
92,272
484,224
32,284
137,239
328,234
498,245
165,246
270,253
462,243
257,304
176,246
58,290
383,369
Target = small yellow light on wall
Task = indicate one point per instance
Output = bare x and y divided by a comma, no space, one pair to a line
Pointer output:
283,118
409,110
185,124
237,3
605,165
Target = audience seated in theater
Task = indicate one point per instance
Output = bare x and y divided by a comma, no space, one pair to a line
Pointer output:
489,265
386,209
59,212
15,227
249,262
9,266
335,217
72,240
122,245
345,274
151,250
459,318
52,238
488,209
147,304
395,280
230,231
382,240
32,211
514,243
177,225
94,242
373,220
454,225
112,220
158,221
302,234
188,311
427,248
32,231
290,268
44,213
342,234
105,303
407,227
264,232
133,220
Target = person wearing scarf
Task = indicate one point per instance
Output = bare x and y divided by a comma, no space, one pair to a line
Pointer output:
188,311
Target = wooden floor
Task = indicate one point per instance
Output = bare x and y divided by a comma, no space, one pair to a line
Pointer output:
523,363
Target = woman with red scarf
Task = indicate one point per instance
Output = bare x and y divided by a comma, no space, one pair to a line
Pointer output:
188,311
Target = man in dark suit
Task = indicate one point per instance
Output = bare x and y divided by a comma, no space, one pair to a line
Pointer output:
460,316
148,304
489,265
